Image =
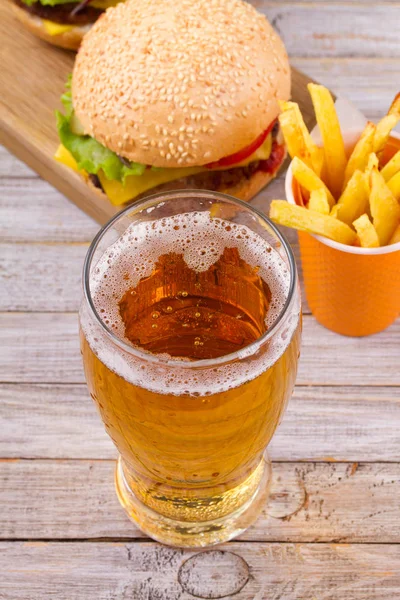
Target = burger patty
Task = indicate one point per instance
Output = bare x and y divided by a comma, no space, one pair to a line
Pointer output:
222,179
62,13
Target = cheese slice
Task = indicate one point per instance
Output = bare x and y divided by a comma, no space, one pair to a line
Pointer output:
103,4
134,185
55,28
64,156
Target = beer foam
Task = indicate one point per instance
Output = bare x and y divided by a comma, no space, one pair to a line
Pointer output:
201,239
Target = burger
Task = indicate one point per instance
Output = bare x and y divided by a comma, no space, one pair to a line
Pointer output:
172,95
60,22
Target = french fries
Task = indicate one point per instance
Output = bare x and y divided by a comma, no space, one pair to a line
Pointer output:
309,180
394,186
354,201
385,209
392,167
297,137
383,130
301,218
395,106
334,150
319,202
385,125
366,232
359,157
396,236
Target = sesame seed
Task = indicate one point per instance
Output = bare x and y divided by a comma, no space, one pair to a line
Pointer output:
194,70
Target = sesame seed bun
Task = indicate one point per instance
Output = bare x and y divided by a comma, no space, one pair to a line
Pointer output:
68,39
179,84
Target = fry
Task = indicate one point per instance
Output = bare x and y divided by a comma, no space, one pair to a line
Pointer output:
319,202
334,150
334,212
301,218
373,162
366,232
396,236
385,209
383,130
359,157
386,125
309,180
392,167
294,138
394,186
298,138
395,106
354,200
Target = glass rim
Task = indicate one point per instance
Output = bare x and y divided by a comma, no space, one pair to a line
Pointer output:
244,352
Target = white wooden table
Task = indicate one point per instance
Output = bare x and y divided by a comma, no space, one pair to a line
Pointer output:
331,529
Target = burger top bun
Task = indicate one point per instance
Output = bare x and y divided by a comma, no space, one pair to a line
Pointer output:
179,83
70,39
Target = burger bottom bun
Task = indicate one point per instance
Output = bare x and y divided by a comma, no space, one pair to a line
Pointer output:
70,39
245,189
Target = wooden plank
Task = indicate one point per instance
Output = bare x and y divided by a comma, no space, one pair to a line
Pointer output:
51,421
336,28
47,277
11,166
32,211
41,277
148,571
321,424
309,502
370,83
43,348
27,125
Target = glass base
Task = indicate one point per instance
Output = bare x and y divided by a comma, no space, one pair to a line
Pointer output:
198,534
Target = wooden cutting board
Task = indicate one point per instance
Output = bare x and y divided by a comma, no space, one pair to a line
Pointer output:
32,79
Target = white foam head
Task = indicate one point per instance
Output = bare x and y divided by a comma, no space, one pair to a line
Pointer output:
201,240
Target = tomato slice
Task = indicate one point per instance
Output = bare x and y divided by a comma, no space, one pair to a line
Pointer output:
241,155
276,157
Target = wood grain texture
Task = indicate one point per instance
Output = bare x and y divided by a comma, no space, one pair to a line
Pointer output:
335,28
309,502
370,84
147,571
32,211
321,424
41,277
44,348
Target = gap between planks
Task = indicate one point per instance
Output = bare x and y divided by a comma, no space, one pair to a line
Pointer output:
324,502
257,571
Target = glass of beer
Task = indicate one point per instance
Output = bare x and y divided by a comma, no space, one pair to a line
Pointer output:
190,333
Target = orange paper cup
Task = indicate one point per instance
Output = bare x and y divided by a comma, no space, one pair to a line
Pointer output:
350,290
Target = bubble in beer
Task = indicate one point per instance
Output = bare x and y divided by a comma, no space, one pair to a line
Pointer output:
201,240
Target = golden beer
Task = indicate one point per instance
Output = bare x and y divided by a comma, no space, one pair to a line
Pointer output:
190,334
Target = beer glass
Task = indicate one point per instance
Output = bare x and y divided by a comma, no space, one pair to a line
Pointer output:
190,332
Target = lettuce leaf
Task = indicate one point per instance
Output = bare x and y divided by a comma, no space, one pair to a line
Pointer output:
90,155
48,2
66,97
